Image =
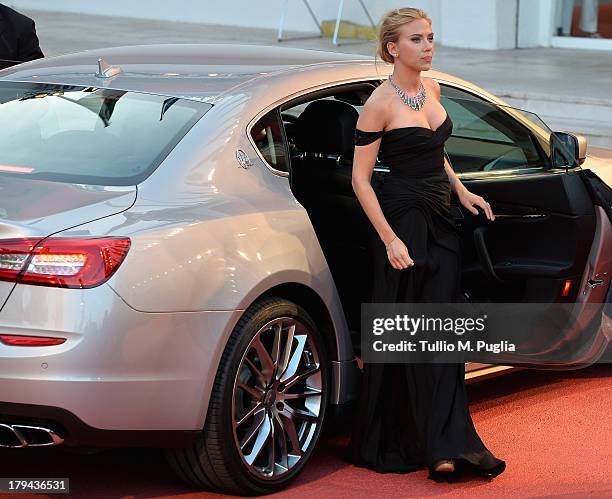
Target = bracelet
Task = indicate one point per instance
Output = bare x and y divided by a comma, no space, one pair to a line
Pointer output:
389,243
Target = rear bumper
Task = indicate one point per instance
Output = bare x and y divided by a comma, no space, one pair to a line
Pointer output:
74,432
120,370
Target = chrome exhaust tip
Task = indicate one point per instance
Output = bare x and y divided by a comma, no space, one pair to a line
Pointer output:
16,436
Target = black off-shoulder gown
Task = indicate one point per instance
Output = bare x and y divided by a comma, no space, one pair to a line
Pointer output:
412,415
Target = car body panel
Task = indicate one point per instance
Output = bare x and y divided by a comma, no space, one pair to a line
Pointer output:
119,368
598,264
37,209
599,160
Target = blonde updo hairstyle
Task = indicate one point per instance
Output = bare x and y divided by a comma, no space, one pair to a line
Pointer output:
389,29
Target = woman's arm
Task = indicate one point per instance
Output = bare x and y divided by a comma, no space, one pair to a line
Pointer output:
468,199
364,160
455,183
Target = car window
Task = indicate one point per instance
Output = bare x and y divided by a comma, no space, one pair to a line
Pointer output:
89,135
320,126
268,137
487,137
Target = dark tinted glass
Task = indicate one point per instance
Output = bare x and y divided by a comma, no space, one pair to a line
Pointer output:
488,137
89,135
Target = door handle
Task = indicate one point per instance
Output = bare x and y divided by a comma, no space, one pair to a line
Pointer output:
594,283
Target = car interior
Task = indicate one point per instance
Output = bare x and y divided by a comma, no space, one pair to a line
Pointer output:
535,251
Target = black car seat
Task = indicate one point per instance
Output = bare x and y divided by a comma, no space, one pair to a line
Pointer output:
327,127
324,138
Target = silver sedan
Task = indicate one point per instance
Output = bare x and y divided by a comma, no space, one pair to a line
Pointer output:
183,259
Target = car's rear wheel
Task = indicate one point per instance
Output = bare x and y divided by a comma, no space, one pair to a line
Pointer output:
267,405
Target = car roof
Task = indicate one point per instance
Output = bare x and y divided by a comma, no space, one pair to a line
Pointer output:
211,72
184,70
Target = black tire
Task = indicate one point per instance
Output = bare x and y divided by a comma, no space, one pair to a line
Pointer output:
214,461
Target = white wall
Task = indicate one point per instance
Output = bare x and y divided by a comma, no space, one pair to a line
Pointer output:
485,24
488,24
506,23
535,22
529,24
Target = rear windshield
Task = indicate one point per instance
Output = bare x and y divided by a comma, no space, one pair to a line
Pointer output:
88,135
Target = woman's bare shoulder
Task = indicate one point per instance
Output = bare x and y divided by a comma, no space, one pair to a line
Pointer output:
380,97
376,110
432,85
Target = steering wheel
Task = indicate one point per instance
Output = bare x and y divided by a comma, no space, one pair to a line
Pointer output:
492,163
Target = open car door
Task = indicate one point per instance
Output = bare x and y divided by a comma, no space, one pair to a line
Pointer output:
551,241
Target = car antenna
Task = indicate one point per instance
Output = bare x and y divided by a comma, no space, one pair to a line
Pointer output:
105,70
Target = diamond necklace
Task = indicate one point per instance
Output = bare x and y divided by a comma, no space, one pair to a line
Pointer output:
416,101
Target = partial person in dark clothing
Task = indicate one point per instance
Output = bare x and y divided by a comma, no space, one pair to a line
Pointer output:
18,40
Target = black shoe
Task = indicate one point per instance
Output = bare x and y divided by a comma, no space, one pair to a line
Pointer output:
493,472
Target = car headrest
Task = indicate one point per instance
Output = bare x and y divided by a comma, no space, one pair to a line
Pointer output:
327,127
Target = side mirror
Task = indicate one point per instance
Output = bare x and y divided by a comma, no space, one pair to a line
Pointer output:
567,149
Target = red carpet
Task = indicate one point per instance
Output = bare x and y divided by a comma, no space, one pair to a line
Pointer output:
553,429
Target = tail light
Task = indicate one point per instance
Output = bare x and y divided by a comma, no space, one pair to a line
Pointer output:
15,340
62,262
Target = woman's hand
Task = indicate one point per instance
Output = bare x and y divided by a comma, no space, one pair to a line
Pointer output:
398,254
470,201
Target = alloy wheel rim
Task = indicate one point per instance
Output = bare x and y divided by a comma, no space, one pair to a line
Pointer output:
276,399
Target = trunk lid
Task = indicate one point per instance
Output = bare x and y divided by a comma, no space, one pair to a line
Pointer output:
37,209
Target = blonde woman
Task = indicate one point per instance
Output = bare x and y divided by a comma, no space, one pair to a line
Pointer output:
413,415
